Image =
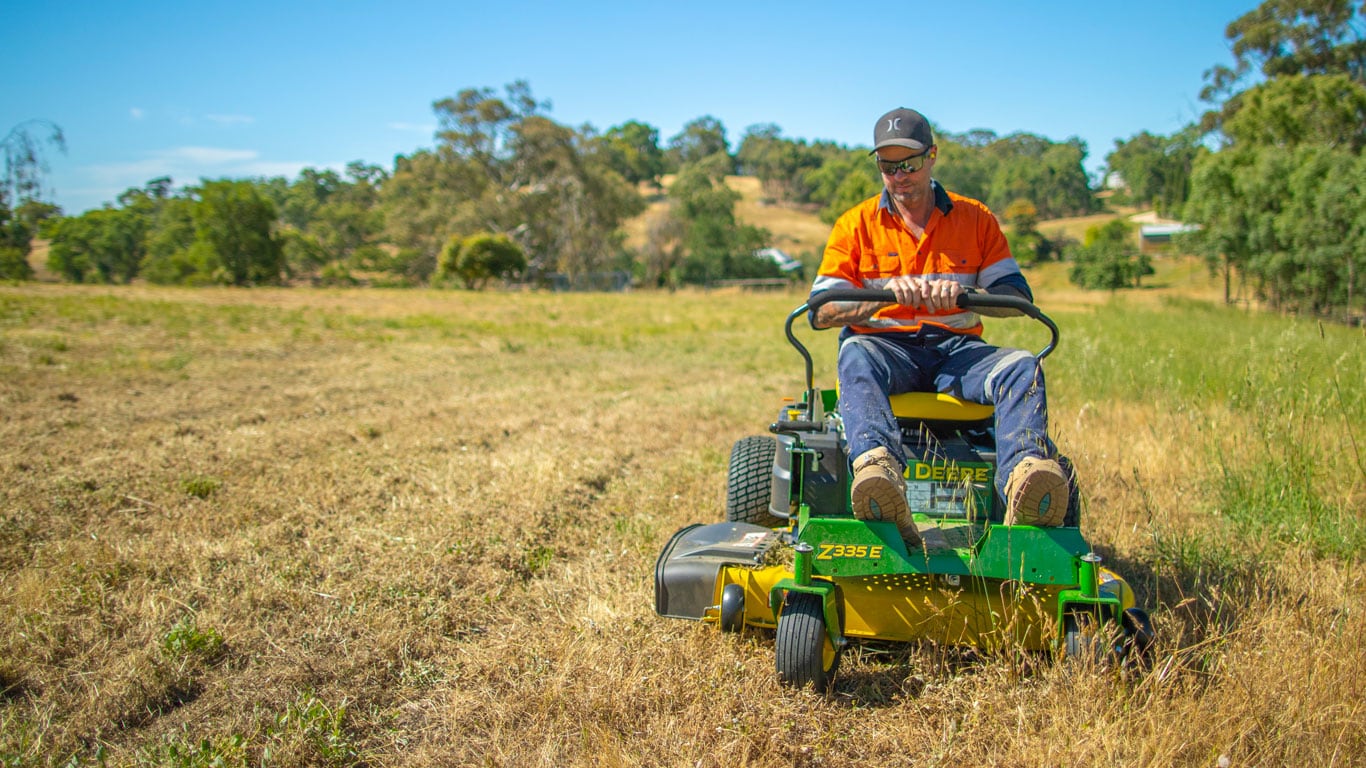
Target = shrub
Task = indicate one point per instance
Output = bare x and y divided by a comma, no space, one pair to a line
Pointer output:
14,265
1108,259
478,259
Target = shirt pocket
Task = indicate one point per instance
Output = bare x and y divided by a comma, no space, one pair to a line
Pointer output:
873,264
955,262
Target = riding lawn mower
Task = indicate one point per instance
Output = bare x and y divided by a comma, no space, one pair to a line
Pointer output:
791,558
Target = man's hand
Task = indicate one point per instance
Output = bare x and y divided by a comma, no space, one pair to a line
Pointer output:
933,295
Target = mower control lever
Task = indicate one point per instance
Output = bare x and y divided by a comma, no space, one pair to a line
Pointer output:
782,427
965,301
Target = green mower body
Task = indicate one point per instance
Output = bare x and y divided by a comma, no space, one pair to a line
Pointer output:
790,556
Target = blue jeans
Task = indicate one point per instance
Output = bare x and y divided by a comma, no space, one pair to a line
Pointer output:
873,365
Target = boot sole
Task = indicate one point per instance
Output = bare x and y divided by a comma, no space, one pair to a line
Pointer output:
887,496
1039,489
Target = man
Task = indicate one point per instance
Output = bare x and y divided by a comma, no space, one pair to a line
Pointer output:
928,246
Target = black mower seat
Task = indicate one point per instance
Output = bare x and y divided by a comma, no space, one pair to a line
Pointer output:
937,406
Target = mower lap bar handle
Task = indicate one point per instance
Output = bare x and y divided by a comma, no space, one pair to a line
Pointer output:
965,301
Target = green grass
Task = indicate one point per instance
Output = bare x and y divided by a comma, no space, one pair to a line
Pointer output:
1286,379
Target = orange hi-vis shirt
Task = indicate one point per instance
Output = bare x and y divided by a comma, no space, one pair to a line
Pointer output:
870,244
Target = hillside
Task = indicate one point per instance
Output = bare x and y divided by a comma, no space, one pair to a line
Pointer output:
798,231
802,232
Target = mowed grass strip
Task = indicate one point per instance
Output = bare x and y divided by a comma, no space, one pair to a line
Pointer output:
293,527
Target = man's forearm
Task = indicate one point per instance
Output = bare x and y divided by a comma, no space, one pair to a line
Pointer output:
840,313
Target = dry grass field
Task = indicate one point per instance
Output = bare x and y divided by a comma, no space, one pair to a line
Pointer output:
381,528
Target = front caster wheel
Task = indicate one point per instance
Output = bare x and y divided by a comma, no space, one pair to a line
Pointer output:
803,652
732,608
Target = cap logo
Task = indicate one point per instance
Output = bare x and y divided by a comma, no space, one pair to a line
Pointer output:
893,123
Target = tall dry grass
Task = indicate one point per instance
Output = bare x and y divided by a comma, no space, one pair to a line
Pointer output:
419,528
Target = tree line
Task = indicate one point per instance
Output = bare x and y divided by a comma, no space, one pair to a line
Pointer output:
506,193
1272,174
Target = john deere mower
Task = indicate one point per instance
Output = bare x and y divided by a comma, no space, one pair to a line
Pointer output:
791,558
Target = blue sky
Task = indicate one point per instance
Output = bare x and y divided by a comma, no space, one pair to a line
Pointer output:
252,88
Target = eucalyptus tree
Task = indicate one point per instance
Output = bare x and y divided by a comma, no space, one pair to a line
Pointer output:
501,166
571,201
846,178
21,212
234,242
701,139
1280,199
633,151
714,243
1157,169
26,160
781,164
1279,38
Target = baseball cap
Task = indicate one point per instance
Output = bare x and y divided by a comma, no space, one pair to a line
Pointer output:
903,128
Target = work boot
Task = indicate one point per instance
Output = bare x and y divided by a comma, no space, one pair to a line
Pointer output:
879,492
1036,493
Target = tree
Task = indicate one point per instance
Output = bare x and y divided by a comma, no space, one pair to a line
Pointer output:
780,164
1279,202
1281,38
1027,244
169,258
15,237
100,246
714,244
569,202
479,258
1301,109
431,196
633,152
476,124
503,167
845,179
14,264
1216,205
25,162
1295,37
699,140
663,252
329,218
1157,169
1048,174
1318,222
234,241
17,229
967,163
1108,259
20,211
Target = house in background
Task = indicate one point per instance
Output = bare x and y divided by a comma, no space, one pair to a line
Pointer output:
785,263
1155,234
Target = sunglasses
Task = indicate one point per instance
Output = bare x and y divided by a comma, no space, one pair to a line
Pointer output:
909,165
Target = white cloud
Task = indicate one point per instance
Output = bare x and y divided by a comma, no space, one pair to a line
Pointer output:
187,165
425,129
207,155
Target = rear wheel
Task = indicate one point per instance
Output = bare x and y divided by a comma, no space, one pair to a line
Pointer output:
749,484
1139,636
802,649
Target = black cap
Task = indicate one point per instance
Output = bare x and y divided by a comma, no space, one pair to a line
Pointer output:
903,128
